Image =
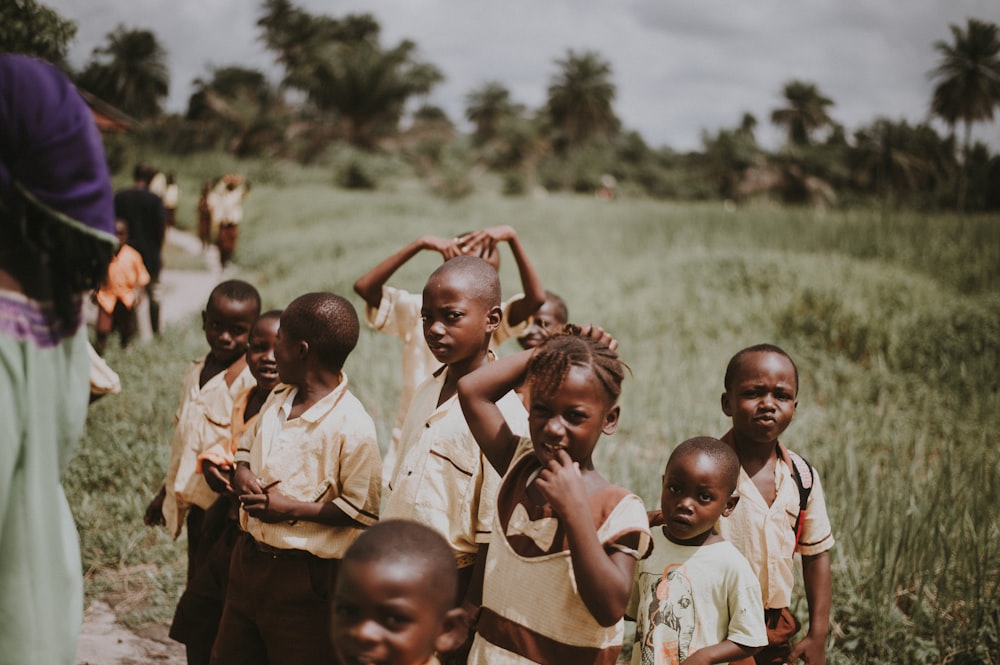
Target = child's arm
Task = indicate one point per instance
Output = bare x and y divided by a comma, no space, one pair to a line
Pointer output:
724,652
269,505
478,393
534,292
818,583
369,286
604,580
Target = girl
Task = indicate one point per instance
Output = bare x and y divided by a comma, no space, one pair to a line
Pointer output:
567,536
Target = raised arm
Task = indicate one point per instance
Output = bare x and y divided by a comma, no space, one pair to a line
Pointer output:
478,393
369,286
534,292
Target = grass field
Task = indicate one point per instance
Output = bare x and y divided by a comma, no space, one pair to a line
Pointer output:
893,319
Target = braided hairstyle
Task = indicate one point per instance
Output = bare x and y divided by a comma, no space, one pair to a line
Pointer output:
553,359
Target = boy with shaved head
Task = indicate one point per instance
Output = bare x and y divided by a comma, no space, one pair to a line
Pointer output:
394,601
442,479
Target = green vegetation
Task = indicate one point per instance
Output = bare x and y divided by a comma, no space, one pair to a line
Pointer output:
894,320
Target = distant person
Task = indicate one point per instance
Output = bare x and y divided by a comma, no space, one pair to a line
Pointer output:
769,525
565,542
227,213
394,601
308,478
209,391
397,312
204,211
146,218
56,240
171,197
695,599
119,293
196,620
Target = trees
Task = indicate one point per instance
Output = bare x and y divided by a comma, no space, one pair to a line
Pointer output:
968,87
486,107
344,71
580,97
805,112
34,29
130,71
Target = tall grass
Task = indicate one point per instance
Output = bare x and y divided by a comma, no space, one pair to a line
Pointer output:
893,319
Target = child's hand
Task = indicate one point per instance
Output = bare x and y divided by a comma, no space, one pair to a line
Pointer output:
809,649
483,242
597,333
154,512
447,248
245,482
561,483
270,506
217,476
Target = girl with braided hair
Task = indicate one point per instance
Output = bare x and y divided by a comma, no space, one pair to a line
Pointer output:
568,537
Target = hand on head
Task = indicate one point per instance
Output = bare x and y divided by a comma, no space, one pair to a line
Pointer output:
595,333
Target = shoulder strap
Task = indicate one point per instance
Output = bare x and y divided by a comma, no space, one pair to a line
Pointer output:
803,475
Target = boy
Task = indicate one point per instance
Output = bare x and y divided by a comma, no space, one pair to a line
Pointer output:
394,601
196,620
143,211
397,312
551,317
696,600
761,385
308,478
441,479
203,418
118,294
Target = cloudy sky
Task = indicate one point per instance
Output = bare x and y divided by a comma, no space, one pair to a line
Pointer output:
679,67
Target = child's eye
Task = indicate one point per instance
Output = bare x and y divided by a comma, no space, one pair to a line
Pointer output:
345,611
394,621
454,316
705,498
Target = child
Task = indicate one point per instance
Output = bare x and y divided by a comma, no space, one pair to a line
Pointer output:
196,620
119,293
442,479
202,421
696,600
397,312
761,385
551,317
394,601
308,478
566,541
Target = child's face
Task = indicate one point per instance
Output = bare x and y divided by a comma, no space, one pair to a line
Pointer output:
693,498
543,323
227,324
456,325
260,353
121,231
572,419
761,399
289,358
385,614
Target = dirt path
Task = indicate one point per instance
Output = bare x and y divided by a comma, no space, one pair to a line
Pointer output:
103,641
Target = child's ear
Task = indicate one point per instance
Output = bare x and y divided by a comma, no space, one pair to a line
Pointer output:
726,406
493,318
730,505
611,420
454,631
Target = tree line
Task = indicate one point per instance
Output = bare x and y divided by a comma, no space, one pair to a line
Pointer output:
342,86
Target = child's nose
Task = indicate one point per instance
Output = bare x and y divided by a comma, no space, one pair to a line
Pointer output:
555,426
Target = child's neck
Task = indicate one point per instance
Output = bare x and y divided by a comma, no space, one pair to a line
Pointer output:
258,395
214,366
457,370
313,388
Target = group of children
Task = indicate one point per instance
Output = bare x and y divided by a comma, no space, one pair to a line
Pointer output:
496,540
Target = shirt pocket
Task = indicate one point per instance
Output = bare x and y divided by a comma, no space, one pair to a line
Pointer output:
452,466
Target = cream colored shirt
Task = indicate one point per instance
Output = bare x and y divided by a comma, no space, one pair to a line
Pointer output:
442,479
764,535
398,314
203,420
329,453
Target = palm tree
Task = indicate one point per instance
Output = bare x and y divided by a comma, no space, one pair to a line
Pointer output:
486,107
580,96
805,112
968,86
130,72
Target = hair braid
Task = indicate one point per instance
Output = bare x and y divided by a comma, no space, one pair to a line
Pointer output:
554,358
